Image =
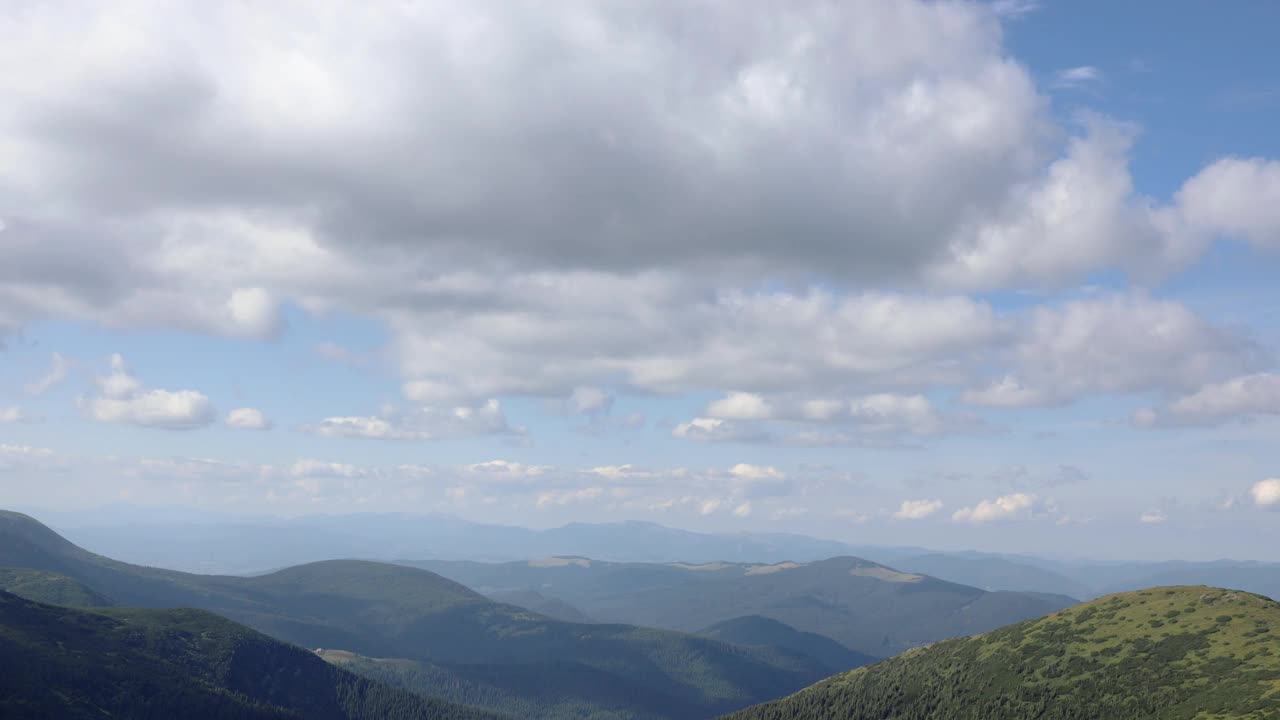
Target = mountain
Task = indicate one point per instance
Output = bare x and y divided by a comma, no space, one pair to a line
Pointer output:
554,608
757,631
249,545
65,663
1170,653
50,588
380,610
991,572
869,608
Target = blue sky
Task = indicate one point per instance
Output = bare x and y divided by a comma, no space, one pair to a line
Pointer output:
964,275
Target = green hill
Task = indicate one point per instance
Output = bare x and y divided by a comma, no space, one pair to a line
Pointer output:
756,631
48,587
1169,653
867,607
68,663
391,611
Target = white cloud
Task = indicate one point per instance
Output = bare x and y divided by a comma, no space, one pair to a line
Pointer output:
745,471
1114,344
1240,398
709,506
917,509
423,423
11,414
742,510
309,467
1077,76
247,418
1234,197
740,406
57,372
567,497
589,400
1153,517
716,430
1002,508
1266,493
121,398
507,469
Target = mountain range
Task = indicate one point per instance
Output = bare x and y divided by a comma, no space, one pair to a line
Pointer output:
870,608
453,634
238,545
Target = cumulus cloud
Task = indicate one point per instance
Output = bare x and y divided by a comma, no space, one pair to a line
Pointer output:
717,430
614,225
1240,398
589,400
121,398
423,423
11,414
1002,508
57,372
1266,493
917,509
247,418
1117,343
1234,197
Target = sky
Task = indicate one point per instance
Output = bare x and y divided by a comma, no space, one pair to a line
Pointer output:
992,275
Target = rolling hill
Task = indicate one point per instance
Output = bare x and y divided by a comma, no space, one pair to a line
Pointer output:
381,610
757,631
69,663
1171,653
869,608
50,588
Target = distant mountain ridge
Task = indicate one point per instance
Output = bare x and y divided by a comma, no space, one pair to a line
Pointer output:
869,608
223,545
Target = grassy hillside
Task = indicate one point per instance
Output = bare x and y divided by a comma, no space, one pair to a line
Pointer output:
391,611
756,631
870,608
47,587
69,663
1169,653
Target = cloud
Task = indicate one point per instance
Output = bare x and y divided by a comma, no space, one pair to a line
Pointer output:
1266,493
744,471
1002,508
1115,344
569,496
423,423
507,469
742,510
57,372
1153,517
716,430
246,418
917,509
121,398
1233,197
590,400
1240,398
740,406
1078,76
11,414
